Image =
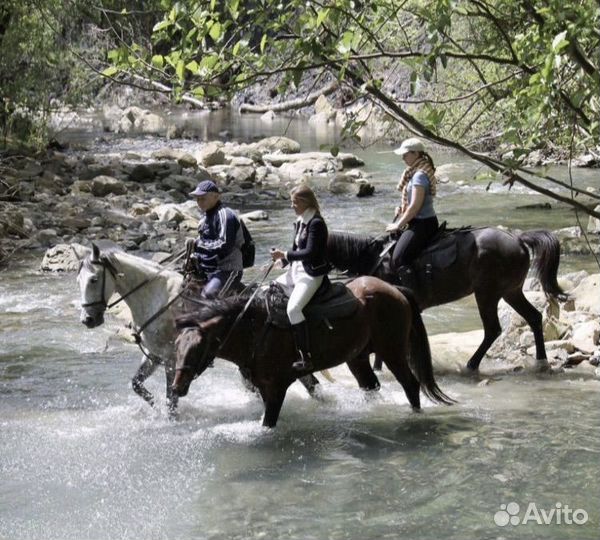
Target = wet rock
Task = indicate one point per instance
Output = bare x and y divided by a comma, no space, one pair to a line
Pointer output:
365,189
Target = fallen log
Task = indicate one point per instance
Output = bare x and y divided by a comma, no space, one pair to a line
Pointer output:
297,103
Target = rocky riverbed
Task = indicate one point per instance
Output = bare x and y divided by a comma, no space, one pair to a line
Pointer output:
139,200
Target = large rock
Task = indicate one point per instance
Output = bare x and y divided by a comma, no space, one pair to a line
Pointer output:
106,185
282,145
586,335
211,154
344,159
63,258
587,294
11,221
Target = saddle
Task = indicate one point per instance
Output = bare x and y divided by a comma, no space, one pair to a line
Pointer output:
439,254
329,303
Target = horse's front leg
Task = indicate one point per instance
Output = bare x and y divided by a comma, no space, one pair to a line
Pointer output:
172,397
273,394
147,368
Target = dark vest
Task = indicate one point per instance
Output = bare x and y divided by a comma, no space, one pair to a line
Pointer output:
311,248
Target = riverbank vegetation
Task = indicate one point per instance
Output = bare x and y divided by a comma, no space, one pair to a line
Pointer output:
498,80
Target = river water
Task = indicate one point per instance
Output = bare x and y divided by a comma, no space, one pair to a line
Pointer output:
81,457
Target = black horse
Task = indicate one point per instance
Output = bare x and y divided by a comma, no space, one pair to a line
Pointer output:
489,262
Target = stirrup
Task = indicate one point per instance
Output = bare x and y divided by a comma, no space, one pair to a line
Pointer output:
302,365
303,362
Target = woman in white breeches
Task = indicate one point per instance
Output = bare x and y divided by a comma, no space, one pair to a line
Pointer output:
308,269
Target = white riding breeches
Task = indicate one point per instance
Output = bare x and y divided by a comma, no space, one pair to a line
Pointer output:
304,288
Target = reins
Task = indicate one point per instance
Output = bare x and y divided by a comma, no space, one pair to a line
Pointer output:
137,332
235,322
245,308
148,280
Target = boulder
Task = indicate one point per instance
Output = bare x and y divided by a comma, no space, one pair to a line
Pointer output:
586,336
106,185
63,258
587,294
277,144
211,154
257,215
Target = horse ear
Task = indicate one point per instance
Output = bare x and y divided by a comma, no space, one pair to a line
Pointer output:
210,323
95,252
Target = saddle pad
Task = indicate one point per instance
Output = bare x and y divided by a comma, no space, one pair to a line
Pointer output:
335,302
441,254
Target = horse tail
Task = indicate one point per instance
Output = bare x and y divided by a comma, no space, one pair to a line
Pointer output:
546,251
420,354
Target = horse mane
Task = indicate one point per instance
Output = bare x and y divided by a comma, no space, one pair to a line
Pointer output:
354,253
115,258
227,308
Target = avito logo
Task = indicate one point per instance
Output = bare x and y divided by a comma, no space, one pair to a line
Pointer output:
558,515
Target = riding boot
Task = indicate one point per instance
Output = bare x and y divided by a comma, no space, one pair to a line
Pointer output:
300,333
407,277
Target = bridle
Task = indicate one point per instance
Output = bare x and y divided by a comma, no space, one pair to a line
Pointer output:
198,367
221,342
102,302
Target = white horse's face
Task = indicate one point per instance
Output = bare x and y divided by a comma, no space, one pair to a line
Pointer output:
96,285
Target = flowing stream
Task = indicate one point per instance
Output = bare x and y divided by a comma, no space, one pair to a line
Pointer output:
82,457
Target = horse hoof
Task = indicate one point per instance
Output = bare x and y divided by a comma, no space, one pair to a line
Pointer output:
543,367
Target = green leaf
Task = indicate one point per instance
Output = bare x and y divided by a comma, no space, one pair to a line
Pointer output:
180,69
110,71
162,25
334,150
263,43
193,67
323,14
215,31
158,60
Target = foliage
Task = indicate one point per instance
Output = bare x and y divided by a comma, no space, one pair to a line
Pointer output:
519,75
49,59
523,69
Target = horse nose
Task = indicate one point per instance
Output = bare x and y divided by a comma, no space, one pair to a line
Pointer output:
87,320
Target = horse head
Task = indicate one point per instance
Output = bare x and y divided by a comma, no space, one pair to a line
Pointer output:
96,280
195,348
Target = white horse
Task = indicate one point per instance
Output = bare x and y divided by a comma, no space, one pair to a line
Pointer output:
149,290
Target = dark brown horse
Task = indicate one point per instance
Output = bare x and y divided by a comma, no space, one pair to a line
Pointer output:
489,262
384,321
